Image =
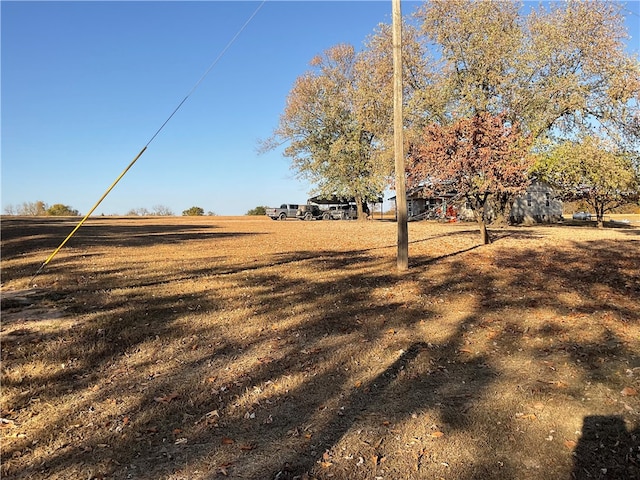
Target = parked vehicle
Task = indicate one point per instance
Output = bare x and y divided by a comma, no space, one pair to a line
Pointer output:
309,212
582,216
286,210
343,212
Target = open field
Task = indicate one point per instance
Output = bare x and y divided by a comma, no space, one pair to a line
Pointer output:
222,347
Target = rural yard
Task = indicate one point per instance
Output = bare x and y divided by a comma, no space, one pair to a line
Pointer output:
244,348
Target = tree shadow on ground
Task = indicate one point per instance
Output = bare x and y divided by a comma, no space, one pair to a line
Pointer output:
20,236
315,371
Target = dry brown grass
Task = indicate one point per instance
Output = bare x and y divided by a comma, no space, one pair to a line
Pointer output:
204,348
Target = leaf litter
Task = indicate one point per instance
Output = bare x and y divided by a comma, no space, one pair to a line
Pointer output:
295,349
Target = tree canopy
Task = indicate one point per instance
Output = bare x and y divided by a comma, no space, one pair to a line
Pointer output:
590,170
554,70
193,212
325,126
61,210
475,157
259,210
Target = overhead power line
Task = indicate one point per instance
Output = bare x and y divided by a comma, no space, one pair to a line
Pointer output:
197,84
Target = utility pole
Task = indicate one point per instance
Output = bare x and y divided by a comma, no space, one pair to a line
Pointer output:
398,142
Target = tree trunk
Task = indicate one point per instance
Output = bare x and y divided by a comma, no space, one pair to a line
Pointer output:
478,203
360,209
484,233
600,216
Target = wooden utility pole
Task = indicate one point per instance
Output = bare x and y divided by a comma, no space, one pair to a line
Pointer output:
398,142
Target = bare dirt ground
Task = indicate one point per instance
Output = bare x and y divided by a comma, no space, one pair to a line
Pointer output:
220,347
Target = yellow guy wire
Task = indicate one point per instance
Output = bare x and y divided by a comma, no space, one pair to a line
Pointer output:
44,264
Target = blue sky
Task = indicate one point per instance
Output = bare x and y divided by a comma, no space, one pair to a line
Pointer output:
85,85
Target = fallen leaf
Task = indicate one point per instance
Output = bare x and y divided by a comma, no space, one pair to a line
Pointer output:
227,441
629,392
167,398
6,423
464,350
522,416
325,464
570,444
437,434
247,447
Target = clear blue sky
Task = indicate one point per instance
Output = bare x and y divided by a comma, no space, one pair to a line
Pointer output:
85,85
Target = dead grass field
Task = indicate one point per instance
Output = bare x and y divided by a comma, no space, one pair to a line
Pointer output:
221,347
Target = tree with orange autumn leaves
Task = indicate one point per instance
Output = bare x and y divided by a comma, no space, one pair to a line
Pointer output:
476,157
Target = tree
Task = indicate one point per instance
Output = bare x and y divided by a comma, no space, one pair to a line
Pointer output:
138,212
328,138
588,169
554,71
162,211
475,157
37,208
60,210
193,212
259,210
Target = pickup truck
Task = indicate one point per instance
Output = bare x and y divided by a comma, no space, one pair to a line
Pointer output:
286,210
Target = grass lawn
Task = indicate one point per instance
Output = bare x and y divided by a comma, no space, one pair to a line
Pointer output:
245,348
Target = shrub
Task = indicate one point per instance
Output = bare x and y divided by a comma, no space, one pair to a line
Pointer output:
193,212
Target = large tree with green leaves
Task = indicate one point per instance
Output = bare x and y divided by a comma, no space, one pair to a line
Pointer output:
193,212
553,70
590,170
60,210
328,133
